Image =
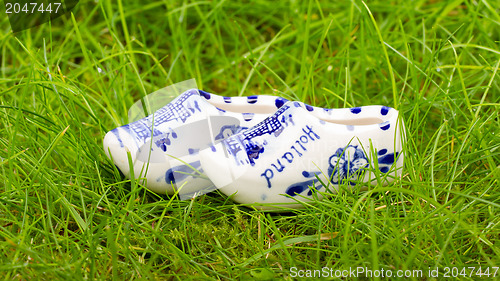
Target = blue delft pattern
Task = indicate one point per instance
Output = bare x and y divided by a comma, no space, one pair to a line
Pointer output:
385,160
182,172
180,110
228,130
300,187
340,169
274,125
164,141
344,168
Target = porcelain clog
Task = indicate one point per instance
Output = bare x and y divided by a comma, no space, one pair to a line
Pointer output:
164,146
282,157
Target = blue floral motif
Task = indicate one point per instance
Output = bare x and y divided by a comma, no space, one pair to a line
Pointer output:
165,141
346,164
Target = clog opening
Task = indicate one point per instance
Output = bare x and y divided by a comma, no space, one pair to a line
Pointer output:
357,122
245,108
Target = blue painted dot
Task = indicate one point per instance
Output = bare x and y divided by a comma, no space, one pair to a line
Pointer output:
384,169
356,110
385,126
252,99
205,94
384,110
279,102
305,174
213,148
350,127
163,147
227,99
174,135
309,108
297,104
263,197
382,151
193,150
247,116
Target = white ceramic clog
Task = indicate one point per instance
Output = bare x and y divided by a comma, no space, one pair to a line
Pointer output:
281,158
164,146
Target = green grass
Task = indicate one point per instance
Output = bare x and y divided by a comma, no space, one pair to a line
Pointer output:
66,211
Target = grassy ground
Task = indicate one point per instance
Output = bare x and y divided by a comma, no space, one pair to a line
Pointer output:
66,211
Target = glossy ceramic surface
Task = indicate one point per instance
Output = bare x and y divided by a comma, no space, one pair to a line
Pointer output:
164,146
281,158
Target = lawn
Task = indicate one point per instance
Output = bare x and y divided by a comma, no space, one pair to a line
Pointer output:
67,213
